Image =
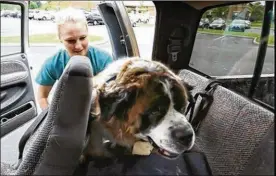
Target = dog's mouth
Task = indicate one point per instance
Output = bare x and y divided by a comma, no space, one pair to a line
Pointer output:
162,151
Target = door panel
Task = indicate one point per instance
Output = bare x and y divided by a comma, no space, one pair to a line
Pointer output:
17,94
119,28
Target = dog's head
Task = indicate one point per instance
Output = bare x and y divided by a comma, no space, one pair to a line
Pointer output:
147,102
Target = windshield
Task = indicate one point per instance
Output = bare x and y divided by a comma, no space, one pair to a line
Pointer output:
238,22
217,22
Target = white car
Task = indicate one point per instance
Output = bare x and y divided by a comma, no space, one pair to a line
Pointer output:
43,15
144,18
247,24
134,17
32,13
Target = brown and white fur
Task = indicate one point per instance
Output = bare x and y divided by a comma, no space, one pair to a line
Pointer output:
145,101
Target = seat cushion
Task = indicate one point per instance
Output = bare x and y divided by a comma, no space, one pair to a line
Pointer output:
232,130
6,169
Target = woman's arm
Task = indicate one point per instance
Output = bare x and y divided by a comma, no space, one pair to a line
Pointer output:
43,93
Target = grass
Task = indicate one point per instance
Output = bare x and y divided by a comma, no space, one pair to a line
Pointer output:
270,40
52,5
259,24
239,34
43,38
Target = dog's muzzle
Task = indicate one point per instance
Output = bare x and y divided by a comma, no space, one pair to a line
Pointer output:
173,136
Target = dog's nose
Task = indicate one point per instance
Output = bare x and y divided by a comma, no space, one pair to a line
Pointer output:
183,135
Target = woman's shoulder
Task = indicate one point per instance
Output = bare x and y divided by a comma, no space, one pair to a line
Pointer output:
57,57
98,52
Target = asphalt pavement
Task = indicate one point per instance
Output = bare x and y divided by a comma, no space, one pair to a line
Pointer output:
225,55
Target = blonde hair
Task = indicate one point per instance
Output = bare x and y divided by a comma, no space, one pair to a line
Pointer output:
69,15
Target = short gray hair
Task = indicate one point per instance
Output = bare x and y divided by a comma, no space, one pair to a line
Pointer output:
70,15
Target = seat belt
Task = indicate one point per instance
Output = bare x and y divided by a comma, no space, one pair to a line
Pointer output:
30,131
199,112
176,43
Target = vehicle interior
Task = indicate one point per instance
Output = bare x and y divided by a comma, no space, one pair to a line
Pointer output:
235,131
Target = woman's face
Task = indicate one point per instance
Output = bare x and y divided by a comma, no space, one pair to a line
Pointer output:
74,36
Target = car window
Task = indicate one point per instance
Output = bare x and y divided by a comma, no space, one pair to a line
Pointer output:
227,46
10,29
95,14
142,17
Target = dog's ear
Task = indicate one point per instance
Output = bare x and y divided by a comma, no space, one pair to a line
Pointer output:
181,92
188,86
114,101
189,89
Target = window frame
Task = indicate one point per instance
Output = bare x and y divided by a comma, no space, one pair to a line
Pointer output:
23,25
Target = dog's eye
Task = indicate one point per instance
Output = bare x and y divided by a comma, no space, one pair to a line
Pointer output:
155,113
178,98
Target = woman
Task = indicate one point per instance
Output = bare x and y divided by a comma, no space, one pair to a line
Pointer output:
73,33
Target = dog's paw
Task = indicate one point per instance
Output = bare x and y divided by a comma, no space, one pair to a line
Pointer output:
116,150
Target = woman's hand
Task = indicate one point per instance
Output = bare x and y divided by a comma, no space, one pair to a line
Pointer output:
43,93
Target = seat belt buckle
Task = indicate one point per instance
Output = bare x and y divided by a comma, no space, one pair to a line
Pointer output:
174,48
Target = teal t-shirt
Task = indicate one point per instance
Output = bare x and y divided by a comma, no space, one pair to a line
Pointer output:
53,67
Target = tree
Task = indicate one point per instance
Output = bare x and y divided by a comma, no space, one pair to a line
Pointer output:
9,7
220,12
256,10
33,5
38,3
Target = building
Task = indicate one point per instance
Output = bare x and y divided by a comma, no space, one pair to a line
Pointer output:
140,7
239,10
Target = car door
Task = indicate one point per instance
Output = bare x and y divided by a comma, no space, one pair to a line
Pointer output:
17,95
120,31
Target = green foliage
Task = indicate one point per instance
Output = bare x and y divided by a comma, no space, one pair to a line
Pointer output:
256,10
9,6
33,5
220,12
38,3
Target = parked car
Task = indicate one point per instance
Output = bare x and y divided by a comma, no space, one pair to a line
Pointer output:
204,23
237,25
15,14
43,15
247,24
143,18
133,23
218,24
32,14
94,18
6,13
134,18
